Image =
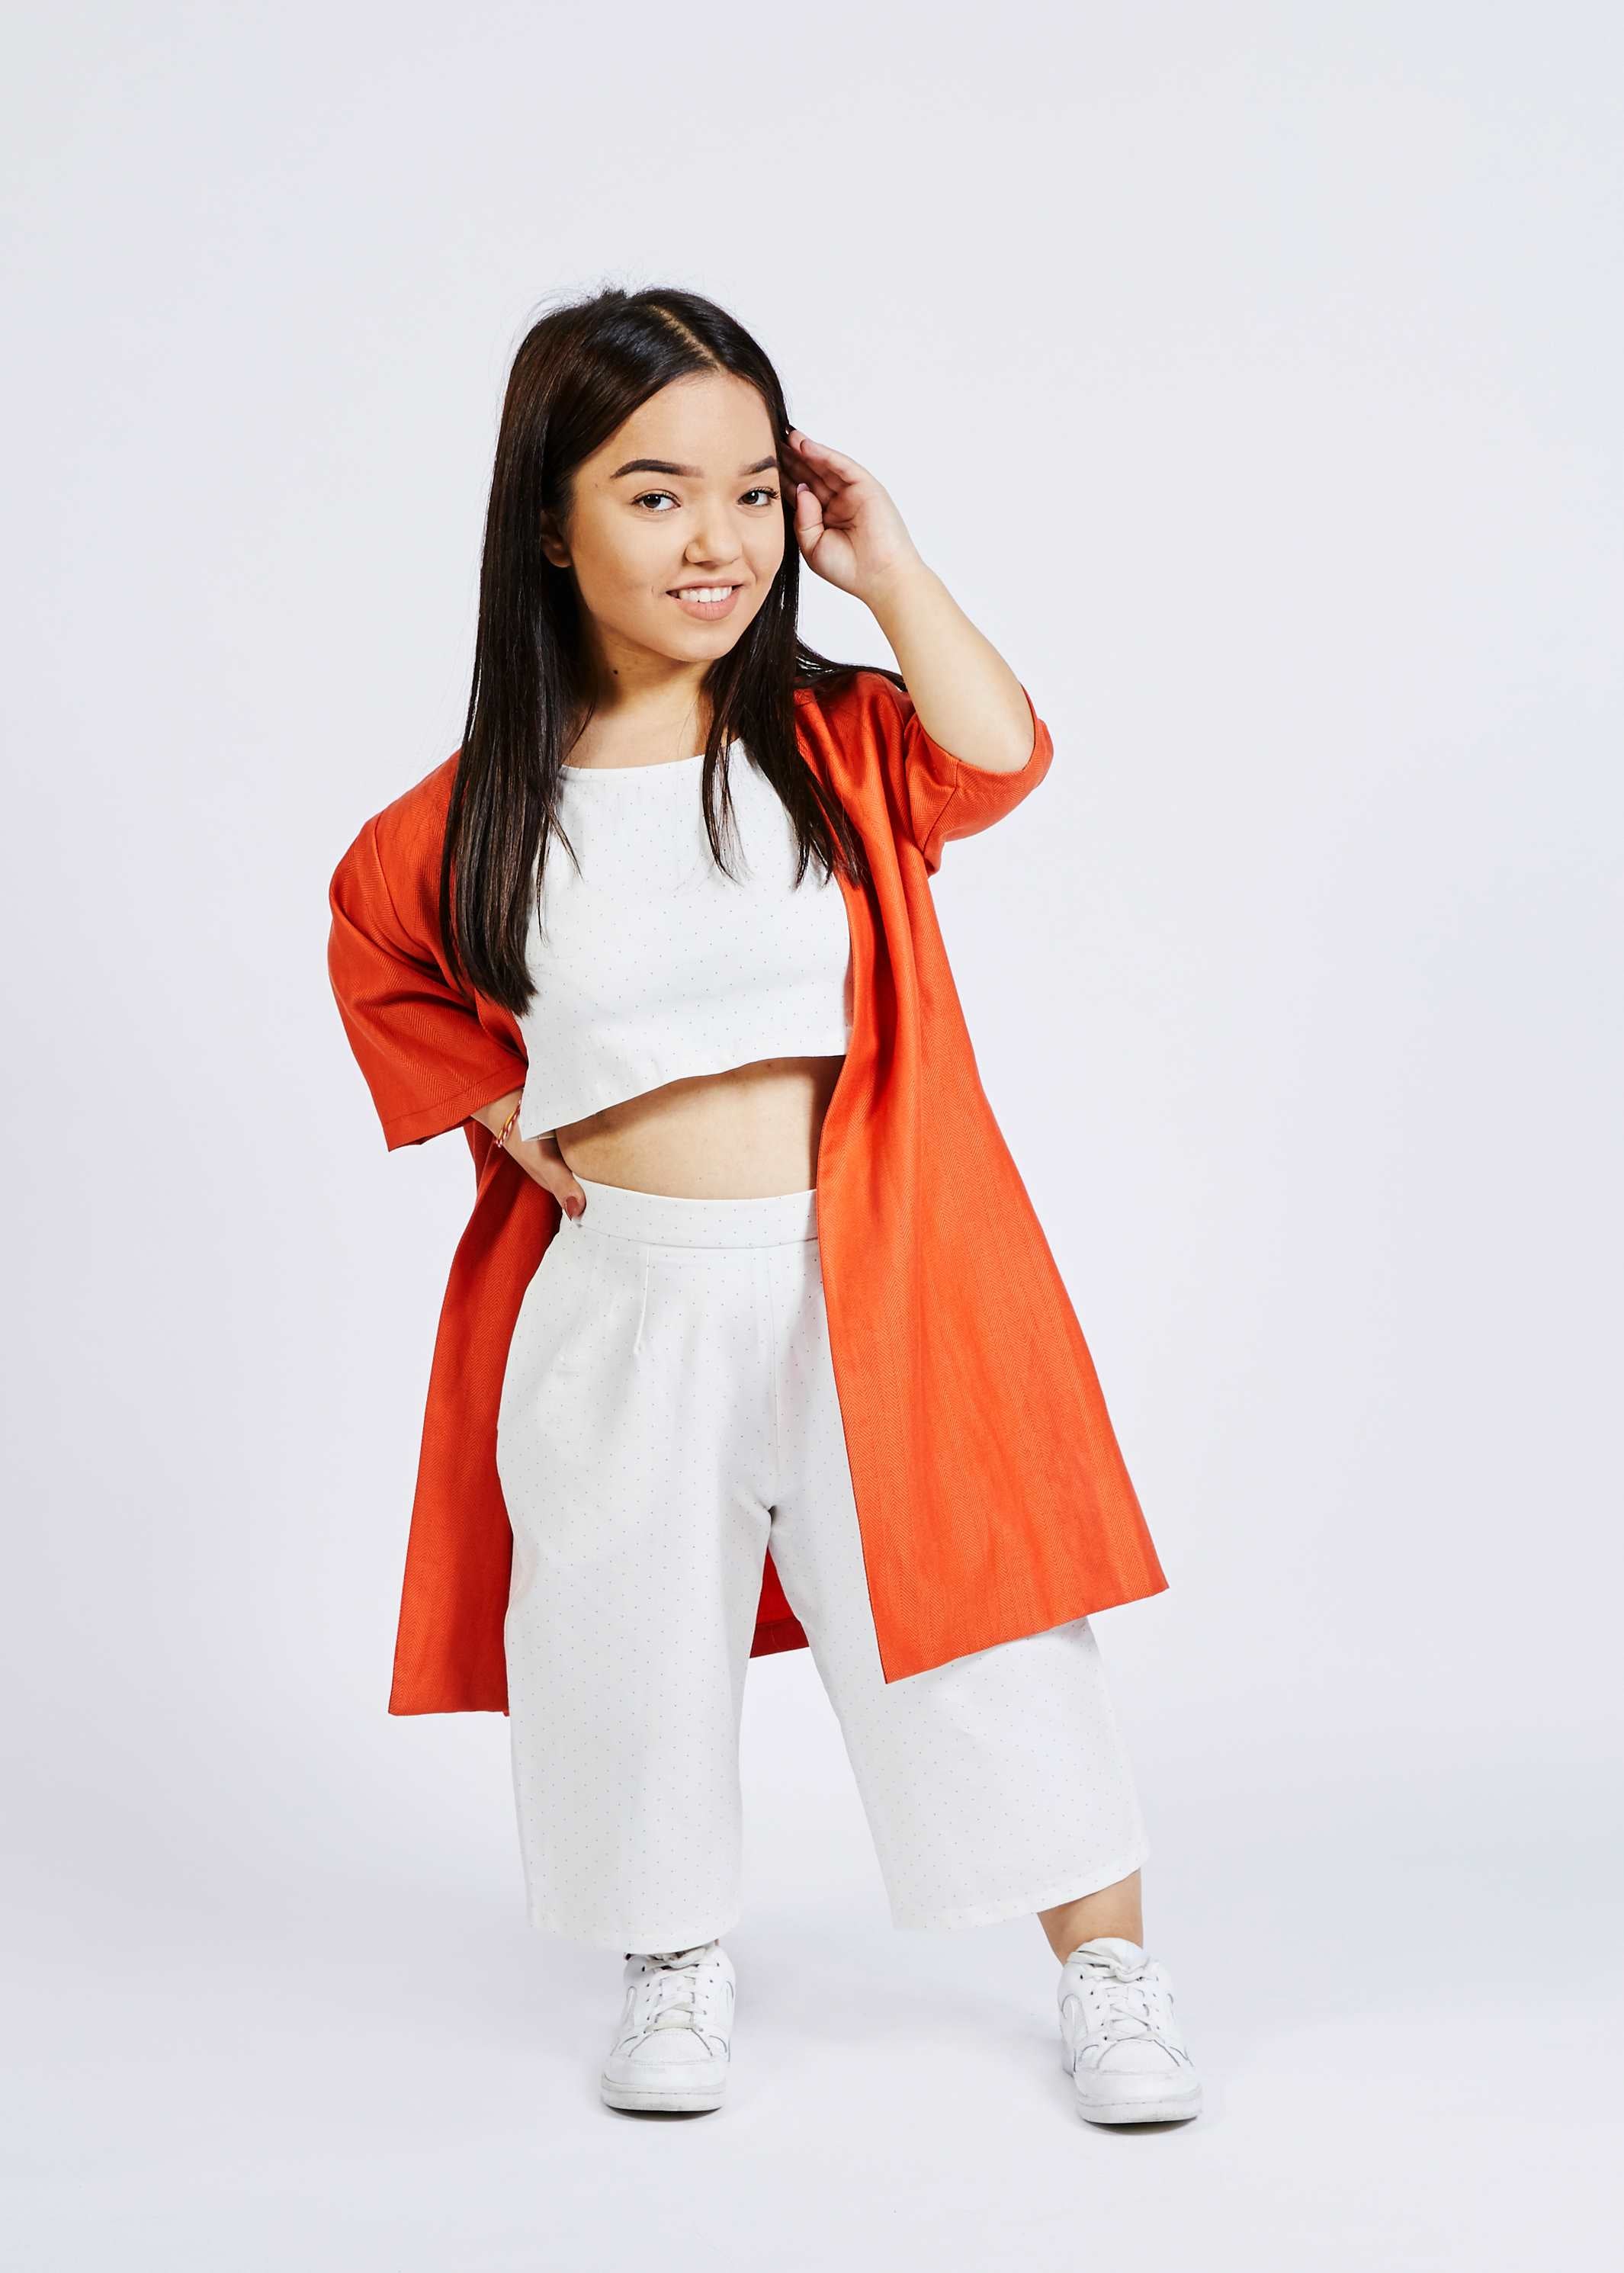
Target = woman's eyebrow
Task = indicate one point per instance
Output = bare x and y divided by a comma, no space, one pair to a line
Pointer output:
665,466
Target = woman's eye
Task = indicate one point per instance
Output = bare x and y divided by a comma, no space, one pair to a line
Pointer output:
764,491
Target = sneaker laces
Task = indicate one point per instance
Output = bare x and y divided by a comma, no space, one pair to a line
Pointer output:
1126,1996
674,1984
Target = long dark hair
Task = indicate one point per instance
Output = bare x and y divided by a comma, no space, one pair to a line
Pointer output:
581,371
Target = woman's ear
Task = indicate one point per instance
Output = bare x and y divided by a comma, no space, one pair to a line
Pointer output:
552,545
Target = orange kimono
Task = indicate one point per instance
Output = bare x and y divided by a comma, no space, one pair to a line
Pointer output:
992,1495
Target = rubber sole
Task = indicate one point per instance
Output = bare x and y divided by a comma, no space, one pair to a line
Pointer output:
664,2099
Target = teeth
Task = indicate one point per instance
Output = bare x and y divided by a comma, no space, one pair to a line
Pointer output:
707,592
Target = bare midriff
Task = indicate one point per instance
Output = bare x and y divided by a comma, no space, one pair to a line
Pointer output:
744,1133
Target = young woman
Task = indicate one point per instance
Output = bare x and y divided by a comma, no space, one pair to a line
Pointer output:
753,1341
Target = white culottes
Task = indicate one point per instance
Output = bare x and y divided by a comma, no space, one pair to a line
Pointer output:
669,1408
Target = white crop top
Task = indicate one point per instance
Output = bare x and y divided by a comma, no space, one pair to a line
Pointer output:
654,965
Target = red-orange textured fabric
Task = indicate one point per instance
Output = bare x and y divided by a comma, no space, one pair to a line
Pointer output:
991,1492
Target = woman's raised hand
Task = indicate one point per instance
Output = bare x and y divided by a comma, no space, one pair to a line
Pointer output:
849,530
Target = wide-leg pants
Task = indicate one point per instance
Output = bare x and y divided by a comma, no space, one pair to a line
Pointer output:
669,1409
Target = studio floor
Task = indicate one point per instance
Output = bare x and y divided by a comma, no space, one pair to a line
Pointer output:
294,2032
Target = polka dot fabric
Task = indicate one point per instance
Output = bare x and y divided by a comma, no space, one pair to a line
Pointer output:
652,965
668,1411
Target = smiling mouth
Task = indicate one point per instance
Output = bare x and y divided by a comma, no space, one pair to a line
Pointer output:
707,603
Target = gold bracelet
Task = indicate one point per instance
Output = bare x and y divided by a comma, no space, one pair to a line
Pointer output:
507,1125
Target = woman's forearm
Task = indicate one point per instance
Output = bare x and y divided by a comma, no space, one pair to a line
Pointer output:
492,1116
967,697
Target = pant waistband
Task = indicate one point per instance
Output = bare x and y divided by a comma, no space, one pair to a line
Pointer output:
664,1219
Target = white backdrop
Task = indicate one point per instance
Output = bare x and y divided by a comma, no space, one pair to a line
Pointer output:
1245,372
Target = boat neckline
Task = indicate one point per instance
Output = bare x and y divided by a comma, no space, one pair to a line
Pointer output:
654,766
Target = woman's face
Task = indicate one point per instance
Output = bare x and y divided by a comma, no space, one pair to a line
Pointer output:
685,495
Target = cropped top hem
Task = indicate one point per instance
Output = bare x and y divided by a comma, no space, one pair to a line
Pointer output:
536,1120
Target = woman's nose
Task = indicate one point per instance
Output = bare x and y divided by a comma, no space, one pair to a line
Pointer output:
715,540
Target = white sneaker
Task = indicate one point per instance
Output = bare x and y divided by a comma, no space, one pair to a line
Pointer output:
670,2051
1118,2041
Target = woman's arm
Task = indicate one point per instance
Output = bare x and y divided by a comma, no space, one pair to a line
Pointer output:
428,1059
968,700
966,696
538,1156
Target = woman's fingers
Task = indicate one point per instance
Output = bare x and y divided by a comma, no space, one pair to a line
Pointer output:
848,528
813,467
828,465
551,1171
808,478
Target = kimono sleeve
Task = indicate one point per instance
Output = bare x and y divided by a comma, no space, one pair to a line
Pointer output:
945,796
428,1058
